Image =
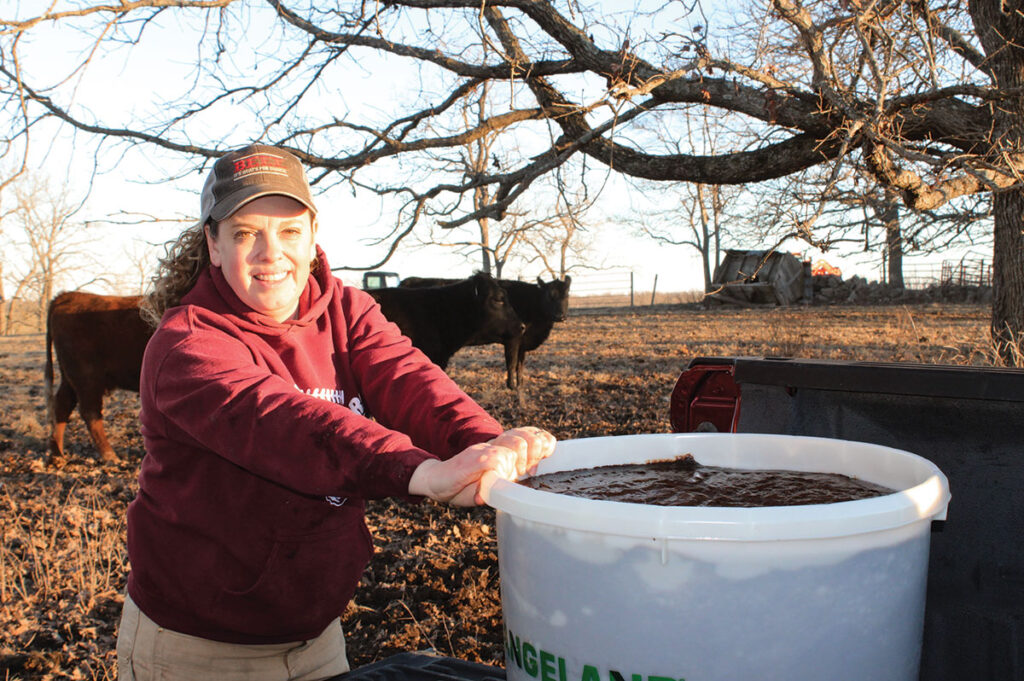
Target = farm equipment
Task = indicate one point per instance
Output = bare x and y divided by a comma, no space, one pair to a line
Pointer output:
824,269
761,278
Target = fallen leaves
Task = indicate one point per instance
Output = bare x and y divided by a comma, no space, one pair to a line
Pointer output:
433,582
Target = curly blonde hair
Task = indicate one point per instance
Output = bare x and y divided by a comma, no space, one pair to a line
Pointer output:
177,272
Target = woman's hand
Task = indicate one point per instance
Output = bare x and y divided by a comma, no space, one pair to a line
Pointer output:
463,479
530,445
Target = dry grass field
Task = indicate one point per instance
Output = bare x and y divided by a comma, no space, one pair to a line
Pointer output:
433,583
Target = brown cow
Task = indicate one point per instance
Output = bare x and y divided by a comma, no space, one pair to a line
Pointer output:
99,341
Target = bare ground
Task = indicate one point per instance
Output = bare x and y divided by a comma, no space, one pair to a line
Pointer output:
434,581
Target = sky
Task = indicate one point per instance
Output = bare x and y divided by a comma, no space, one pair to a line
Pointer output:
149,182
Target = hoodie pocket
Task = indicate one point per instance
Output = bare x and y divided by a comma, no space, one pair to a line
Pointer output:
306,582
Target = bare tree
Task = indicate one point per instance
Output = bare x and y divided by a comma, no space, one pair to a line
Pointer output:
559,242
548,230
697,220
888,212
491,243
141,259
46,243
478,158
902,231
928,95
851,209
697,216
495,244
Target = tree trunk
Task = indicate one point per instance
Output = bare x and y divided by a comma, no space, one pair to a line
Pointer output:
705,257
704,238
481,197
1008,276
485,240
3,307
893,238
479,155
1000,28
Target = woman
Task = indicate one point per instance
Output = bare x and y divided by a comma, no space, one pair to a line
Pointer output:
275,401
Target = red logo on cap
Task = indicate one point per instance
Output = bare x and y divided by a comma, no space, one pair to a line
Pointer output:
259,163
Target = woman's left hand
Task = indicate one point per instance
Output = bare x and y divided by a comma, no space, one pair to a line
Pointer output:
530,445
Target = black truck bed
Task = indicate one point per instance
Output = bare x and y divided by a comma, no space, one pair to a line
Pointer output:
969,421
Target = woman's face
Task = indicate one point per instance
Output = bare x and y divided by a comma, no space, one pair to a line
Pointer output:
264,250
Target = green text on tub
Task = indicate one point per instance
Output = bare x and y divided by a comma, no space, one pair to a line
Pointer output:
541,664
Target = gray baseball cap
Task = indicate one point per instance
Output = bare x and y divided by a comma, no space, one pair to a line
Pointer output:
241,176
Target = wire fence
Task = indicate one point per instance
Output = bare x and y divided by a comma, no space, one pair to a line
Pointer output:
622,288
967,273
602,289
921,276
949,272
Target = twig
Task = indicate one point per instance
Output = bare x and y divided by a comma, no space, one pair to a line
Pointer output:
423,632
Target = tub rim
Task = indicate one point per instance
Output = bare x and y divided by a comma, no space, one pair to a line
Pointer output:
924,498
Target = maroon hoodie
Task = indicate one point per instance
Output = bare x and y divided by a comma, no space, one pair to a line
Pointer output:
263,439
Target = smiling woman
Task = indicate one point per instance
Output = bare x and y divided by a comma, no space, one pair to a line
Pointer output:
247,538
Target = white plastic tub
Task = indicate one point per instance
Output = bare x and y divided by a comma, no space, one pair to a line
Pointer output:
601,590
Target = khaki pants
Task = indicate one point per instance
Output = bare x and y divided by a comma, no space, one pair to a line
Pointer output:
149,652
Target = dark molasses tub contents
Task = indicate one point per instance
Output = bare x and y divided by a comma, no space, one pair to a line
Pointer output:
685,482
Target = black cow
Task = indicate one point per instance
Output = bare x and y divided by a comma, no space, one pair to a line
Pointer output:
538,305
99,341
441,319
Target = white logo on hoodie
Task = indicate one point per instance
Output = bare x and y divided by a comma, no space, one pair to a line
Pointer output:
337,397
327,394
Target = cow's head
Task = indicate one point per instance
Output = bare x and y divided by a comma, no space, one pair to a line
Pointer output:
498,317
555,298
